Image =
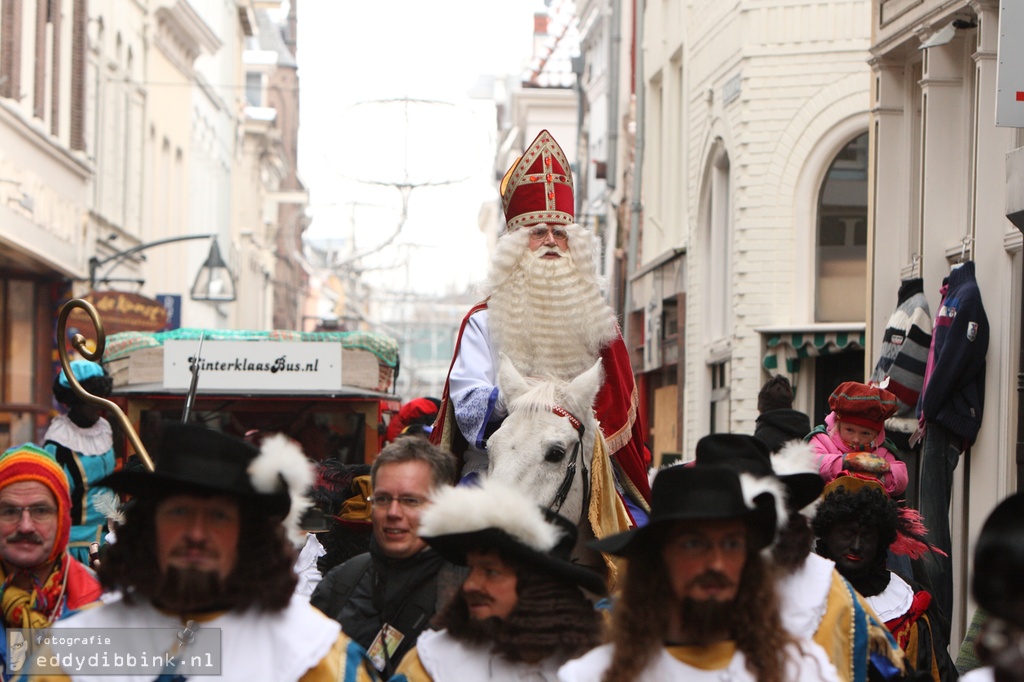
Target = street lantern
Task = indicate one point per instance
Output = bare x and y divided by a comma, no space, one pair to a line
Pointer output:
214,281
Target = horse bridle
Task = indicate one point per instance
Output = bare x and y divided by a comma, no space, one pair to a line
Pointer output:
570,471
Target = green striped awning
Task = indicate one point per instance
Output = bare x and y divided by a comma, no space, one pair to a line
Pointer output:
785,350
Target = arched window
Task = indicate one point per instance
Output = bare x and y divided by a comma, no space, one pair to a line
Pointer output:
718,265
842,236
717,280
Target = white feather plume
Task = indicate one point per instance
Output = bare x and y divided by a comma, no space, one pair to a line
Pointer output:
493,504
753,487
797,457
281,459
652,473
108,503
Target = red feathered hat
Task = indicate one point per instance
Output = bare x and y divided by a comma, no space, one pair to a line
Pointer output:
538,186
863,405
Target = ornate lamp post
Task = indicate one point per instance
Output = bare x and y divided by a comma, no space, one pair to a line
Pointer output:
214,281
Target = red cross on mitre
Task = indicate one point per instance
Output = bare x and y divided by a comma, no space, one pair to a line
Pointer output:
538,186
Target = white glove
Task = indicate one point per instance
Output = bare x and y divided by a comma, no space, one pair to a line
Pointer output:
500,410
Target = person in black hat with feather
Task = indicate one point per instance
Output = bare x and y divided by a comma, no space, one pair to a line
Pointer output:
205,546
523,609
698,599
816,601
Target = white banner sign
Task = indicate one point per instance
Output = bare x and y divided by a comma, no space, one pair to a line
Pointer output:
254,365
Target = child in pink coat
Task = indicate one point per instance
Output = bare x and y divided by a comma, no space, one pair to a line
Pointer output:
853,436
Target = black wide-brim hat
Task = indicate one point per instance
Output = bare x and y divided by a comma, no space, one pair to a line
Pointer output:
556,564
194,459
710,493
747,454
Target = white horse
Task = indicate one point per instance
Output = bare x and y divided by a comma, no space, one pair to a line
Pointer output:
545,446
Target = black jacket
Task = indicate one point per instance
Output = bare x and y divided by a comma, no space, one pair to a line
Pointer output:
372,589
777,427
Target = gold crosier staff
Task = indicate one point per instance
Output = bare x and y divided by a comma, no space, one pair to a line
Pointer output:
79,342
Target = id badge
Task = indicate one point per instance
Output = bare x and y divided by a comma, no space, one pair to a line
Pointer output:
388,639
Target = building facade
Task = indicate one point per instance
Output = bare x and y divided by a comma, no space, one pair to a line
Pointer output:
45,176
942,187
750,253
795,164
124,129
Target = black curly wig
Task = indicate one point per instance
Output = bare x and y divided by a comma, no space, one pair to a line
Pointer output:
869,506
99,386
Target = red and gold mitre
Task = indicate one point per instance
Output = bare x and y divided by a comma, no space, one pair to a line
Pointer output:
538,186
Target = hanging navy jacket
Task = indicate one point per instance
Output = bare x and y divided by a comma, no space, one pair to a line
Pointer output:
954,386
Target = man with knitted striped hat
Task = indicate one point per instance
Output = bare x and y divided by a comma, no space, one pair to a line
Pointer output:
546,311
41,582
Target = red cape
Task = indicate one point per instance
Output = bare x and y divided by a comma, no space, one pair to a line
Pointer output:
615,407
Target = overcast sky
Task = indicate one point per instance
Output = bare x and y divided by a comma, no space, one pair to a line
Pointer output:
352,54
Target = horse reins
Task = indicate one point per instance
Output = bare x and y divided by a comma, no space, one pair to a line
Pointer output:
570,471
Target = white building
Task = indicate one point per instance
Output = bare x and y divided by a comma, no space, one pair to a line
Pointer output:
798,162
943,185
121,130
753,122
45,174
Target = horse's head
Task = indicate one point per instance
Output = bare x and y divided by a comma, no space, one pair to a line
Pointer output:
546,443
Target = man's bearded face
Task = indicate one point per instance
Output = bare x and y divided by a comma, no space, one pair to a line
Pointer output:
197,548
490,587
547,310
705,559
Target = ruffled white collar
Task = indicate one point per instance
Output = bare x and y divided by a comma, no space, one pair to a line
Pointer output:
98,439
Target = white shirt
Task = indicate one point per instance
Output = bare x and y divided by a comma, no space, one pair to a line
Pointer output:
807,663
803,596
473,389
280,646
447,659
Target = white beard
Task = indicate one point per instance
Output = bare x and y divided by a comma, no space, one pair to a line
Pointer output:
548,315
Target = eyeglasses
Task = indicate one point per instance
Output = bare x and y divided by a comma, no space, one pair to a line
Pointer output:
540,233
38,513
383,501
